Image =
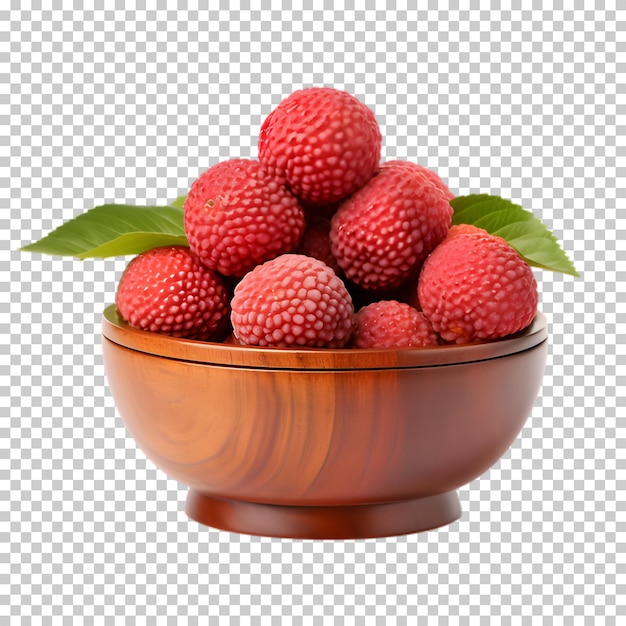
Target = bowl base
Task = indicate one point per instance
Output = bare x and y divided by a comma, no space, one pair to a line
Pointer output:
325,522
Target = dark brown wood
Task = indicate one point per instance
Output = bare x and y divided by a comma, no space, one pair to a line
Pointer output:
322,444
326,522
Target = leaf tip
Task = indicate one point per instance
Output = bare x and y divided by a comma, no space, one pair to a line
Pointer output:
29,247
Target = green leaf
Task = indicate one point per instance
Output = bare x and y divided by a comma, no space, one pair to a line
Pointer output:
179,202
519,227
114,230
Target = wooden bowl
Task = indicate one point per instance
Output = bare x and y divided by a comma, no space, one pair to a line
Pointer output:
322,443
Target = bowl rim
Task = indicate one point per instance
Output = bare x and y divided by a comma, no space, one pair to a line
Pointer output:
115,329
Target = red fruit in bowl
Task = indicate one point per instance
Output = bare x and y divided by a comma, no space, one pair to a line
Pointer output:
323,141
167,290
475,286
292,300
430,175
238,214
391,324
383,232
316,241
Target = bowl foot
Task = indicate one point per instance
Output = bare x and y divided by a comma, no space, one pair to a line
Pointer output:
325,522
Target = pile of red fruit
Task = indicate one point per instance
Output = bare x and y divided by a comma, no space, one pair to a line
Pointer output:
318,244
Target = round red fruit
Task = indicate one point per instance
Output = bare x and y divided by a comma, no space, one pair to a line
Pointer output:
238,215
292,300
475,286
167,290
381,234
323,141
392,324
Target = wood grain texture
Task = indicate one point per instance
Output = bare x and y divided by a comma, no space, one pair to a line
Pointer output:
322,437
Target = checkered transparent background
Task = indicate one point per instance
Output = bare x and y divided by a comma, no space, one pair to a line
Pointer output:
130,105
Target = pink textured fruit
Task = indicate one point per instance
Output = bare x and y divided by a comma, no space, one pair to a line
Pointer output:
325,142
392,324
316,241
293,300
238,215
436,180
167,290
381,234
475,286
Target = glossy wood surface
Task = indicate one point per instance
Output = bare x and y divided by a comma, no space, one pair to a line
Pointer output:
115,329
325,522
322,450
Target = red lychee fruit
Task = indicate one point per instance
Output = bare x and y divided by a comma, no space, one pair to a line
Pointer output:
475,286
292,300
316,241
383,232
391,324
167,290
323,141
238,215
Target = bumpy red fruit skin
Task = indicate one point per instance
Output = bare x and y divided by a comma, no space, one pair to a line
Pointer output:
391,324
167,290
474,286
430,175
324,141
293,300
437,181
316,241
381,234
238,215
